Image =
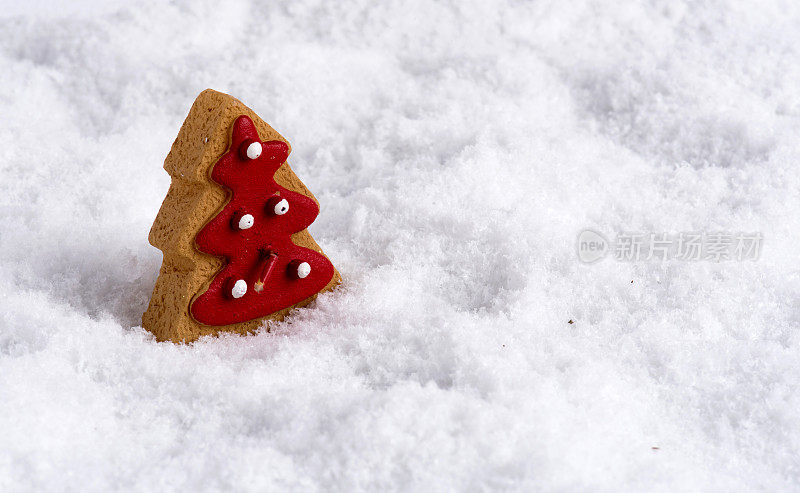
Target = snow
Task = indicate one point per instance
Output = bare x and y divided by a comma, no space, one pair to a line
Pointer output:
458,150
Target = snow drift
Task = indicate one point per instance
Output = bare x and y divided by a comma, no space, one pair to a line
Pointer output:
457,149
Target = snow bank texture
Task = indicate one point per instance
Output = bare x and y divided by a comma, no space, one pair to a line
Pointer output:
457,150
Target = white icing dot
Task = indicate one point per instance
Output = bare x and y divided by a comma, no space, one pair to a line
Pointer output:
303,270
246,221
282,207
254,150
239,288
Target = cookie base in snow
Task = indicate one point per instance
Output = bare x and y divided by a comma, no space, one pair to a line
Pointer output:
193,199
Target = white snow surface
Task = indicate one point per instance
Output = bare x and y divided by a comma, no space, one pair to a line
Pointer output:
457,149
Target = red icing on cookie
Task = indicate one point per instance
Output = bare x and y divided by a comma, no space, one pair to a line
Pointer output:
258,249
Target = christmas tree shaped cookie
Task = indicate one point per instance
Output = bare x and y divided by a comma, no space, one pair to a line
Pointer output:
232,228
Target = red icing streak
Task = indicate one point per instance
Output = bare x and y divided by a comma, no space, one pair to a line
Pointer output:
252,185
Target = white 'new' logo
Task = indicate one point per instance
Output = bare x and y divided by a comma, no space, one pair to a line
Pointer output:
592,246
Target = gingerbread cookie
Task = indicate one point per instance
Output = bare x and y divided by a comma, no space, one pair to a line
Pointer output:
232,228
